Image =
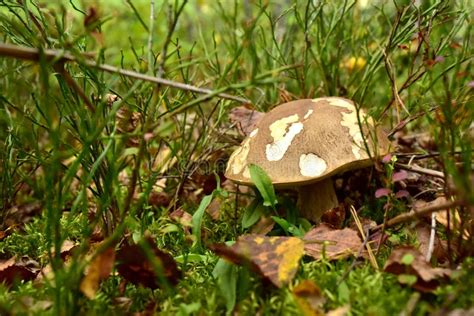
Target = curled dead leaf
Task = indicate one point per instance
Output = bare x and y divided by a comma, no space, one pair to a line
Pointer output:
423,232
181,217
15,270
136,267
245,119
309,298
333,243
98,270
263,226
274,258
407,261
335,216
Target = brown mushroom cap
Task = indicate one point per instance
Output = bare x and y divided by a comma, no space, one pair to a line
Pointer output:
306,141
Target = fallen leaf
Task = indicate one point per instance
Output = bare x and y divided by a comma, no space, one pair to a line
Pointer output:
214,208
98,270
309,298
423,232
245,119
441,216
67,248
19,215
263,226
15,270
159,199
135,266
274,258
334,243
405,261
335,217
182,217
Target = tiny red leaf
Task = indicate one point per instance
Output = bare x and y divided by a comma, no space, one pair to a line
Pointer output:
382,192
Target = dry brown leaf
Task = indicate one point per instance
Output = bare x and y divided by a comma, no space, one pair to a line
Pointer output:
135,267
245,119
335,217
67,248
159,199
263,226
336,243
309,298
423,232
18,215
274,258
407,260
181,217
214,208
98,270
441,216
15,270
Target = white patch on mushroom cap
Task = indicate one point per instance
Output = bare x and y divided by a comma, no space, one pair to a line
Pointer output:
350,121
308,114
238,159
278,128
311,165
278,148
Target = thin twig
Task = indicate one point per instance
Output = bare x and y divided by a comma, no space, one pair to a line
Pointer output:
33,54
151,56
59,67
408,119
417,169
417,213
354,262
372,258
432,238
418,156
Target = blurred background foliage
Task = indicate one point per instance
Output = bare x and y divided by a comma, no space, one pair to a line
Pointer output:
96,163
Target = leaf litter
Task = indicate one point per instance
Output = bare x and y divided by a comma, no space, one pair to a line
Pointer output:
411,267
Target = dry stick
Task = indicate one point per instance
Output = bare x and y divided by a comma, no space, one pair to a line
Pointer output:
391,77
413,214
429,172
354,262
408,119
372,258
418,156
150,37
33,54
429,253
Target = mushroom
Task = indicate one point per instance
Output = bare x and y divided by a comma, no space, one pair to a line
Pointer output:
301,144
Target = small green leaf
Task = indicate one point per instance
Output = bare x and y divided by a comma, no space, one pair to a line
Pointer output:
343,292
407,279
407,259
226,275
252,214
197,219
283,223
188,309
264,185
289,228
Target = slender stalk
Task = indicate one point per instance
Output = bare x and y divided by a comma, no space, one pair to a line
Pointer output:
33,54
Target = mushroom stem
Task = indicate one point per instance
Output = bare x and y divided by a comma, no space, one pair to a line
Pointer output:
315,199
